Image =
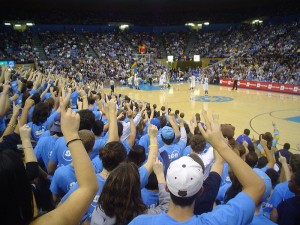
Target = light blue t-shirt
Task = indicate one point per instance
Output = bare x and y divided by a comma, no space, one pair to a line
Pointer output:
88,214
97,164
74,96
261,220
174,151
225,179
99,144
145,141
61,154
38,129
64,178
43,149
150,198
280,193
238,210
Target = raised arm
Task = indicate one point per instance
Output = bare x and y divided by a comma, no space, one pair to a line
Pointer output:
153,148
112,118
13,121
72,210
131,137
4,99
271,160
286,173
174,125
252,184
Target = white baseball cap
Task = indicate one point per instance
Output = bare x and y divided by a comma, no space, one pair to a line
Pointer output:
184,177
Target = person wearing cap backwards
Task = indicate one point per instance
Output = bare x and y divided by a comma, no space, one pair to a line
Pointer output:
174,150
184,182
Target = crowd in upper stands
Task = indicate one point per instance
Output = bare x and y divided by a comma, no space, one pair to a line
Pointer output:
17,46
253,52
66,45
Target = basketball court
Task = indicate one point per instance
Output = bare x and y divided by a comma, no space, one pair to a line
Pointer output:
243,108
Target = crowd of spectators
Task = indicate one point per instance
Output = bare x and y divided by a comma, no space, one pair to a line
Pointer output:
17,46
253,52
175,42
110,44
63,45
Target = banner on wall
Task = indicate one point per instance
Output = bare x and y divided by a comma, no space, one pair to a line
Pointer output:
263,86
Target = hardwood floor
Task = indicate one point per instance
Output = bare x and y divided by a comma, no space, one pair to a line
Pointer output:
255,110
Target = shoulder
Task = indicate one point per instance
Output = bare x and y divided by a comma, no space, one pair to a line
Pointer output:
146,220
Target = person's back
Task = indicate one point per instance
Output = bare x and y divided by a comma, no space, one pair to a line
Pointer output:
185,179
288,211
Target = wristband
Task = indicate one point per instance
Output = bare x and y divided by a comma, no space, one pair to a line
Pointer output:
12,126
153,146
76,139
83,97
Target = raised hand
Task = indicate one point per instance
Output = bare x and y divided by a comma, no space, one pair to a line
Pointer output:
16,109
129,113
213,132
282,159
24,132
69,121
152,131
111,105
28,103
158,167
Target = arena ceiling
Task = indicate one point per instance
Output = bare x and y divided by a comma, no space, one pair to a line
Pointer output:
227,10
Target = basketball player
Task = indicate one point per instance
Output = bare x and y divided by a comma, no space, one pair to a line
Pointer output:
205,85
193,82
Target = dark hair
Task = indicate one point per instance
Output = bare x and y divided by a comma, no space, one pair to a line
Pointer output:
286,146
120,129
50,102
23,88
247,132
24,97
140,127
274,176
87,119
36,98
295,162
88,139
163,108
181,115
262,162
183,201
176,112
137,155
121,195
40,113
152,182
98,127
197,131
167,141
163,121
251,159
112,154
91,100
16,203
268,137
154,106
29,84
239,148
197,143
235,188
